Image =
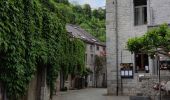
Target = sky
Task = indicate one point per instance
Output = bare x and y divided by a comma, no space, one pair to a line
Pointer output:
93,3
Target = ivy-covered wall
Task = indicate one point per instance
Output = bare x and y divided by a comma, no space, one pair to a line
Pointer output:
32,32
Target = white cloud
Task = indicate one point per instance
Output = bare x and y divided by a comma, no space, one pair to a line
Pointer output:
88,1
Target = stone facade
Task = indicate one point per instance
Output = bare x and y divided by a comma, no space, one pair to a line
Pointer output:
93,47
91,51
120,27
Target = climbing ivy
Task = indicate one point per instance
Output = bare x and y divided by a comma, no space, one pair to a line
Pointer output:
32,34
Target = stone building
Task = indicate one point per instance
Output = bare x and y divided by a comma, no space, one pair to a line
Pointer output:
127,19
93,48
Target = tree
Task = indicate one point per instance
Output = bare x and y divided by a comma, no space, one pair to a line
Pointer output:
78,9
155,41
62,1
95,13
87,10
99,66
94,24
99,13
102,13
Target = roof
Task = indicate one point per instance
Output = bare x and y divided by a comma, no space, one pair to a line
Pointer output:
77,32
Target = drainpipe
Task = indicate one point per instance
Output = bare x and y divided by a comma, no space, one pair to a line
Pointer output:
117,49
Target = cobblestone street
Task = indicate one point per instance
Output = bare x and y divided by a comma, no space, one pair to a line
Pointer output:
87,94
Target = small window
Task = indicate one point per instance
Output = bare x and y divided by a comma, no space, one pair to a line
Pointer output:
85,58
97,47
141,63
140,12
164,65
104,48
91,48
92,59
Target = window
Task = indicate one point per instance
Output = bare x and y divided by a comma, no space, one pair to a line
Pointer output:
85,58
164,65
91,47
92,59
97,47
140,12
141,62
104,48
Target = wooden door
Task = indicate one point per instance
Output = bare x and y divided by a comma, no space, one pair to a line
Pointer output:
41,81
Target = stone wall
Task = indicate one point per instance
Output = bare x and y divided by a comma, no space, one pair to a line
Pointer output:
110,46
31,94
158,12
32,91
146,83
126,30
142,86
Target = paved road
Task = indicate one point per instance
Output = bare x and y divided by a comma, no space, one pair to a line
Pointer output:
87,94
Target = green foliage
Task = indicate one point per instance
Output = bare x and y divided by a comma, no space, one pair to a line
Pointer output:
93,21
86,72
99,63
154,41
32,34
99,13
135,44
96,27
62,1
87,10
78,9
